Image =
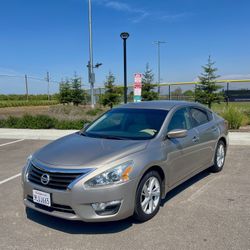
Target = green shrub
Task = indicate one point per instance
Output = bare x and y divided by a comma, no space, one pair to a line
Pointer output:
234,117
40,122
64,124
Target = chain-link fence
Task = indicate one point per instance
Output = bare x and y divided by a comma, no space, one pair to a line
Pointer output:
232,90
29,86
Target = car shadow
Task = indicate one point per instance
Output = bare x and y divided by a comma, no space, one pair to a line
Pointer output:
79,227
171,194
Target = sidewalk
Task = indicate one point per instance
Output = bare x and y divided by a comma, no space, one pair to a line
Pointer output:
235,138
33,134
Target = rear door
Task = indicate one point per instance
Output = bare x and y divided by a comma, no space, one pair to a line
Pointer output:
202,122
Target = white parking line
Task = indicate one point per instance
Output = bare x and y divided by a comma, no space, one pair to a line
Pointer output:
11,142
10,178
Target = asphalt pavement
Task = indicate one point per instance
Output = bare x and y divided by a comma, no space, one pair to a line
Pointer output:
210,211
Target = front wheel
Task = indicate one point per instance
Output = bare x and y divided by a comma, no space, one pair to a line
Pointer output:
219,158
148,196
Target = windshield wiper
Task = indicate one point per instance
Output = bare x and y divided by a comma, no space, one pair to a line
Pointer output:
82,133
112,137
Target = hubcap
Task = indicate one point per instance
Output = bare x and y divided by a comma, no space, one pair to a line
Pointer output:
220,156
150,195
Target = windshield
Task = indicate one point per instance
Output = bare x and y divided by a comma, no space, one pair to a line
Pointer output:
125,123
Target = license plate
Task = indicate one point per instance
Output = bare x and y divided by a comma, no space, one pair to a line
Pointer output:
41,198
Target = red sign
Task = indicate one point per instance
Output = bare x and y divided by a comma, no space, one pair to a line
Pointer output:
137,87
138,78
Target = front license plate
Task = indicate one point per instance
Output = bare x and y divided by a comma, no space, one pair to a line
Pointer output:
41,198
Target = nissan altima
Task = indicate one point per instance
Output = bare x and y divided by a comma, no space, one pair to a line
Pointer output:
125,162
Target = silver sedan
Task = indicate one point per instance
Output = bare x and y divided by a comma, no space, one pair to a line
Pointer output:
125,162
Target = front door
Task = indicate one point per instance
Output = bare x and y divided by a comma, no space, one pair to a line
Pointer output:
181,153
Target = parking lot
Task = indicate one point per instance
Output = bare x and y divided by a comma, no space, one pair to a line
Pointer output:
210,211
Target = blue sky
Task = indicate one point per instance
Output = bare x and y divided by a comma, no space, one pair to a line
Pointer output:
52,35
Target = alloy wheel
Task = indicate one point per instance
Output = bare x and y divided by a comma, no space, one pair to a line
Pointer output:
150,195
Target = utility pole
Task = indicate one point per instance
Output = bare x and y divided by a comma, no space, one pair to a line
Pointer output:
227,93
90,63
48,80
158,43
26,87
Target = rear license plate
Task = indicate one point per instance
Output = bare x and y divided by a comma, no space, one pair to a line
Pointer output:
41,198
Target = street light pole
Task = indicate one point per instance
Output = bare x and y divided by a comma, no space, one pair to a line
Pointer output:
48,81
90,64
158,43
124,36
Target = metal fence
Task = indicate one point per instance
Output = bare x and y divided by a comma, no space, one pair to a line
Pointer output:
235,90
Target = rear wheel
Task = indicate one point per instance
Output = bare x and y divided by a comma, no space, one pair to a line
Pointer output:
148,196
219,158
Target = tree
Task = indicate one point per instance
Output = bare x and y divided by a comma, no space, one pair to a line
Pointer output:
76,91
112,93
206,90
177,93
188,93
65,92
148,92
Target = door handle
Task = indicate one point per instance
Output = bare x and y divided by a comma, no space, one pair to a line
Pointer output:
195,139
214,129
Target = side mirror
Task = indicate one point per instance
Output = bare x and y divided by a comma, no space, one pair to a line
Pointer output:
177,133
85,125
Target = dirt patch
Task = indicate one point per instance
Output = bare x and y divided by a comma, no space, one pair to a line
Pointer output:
20,111
61,112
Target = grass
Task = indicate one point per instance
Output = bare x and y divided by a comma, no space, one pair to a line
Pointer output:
71,117
236,113
17,103
56,116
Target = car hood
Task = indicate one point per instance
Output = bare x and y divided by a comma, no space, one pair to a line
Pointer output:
77,151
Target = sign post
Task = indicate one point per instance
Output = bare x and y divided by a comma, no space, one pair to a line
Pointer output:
137,87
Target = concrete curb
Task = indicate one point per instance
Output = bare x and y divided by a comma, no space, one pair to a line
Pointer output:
34,134
235,138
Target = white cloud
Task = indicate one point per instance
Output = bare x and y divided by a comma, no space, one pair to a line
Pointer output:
139,14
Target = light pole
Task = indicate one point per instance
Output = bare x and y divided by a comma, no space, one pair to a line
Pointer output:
90,63
158,43
124,36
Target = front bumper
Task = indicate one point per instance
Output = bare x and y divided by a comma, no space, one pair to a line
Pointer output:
75,204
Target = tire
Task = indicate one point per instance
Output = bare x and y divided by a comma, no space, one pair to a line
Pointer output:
219,157
146,203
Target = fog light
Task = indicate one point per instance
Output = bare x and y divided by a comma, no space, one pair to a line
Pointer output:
106,208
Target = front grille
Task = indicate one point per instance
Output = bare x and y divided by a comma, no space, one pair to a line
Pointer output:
54,207
57,180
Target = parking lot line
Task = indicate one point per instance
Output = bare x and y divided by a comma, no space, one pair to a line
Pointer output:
11,142
10,178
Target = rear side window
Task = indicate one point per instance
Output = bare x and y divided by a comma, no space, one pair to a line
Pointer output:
210,115
199,116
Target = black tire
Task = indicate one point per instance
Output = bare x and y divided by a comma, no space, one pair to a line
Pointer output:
139,214
217,167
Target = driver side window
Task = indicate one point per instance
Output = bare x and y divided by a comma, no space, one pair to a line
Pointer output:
180,120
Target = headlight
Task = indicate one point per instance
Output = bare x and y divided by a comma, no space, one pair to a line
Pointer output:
116,175
26,167
28,160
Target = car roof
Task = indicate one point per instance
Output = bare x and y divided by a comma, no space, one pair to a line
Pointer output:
166,105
